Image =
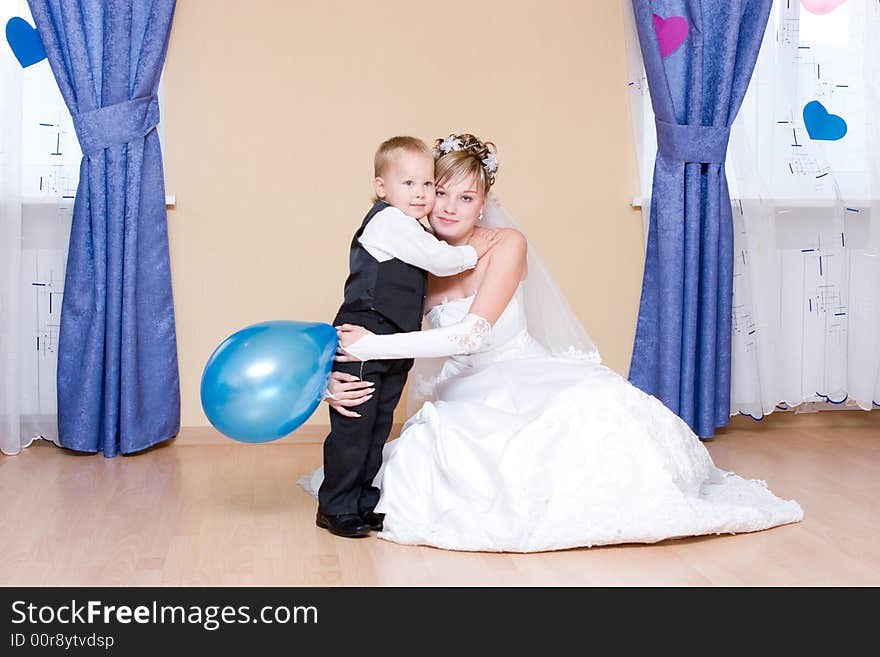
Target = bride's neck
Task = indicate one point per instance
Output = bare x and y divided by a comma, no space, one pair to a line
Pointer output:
464,239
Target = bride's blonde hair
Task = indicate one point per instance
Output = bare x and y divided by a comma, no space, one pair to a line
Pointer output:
463,156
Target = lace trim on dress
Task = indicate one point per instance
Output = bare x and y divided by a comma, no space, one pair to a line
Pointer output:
574,353
471,340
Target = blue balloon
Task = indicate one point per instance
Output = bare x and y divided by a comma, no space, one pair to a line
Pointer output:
265,380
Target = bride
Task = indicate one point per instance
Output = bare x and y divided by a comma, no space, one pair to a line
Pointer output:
525,441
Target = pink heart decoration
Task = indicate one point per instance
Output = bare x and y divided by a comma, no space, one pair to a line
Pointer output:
671,33
821,6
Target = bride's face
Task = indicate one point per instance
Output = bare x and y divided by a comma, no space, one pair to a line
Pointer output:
457,208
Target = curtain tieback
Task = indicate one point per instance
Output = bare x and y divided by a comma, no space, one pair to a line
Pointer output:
692,143
117,124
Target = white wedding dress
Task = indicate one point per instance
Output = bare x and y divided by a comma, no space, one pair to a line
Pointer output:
523,451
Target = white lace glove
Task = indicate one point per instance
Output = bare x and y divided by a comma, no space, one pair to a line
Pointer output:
463,338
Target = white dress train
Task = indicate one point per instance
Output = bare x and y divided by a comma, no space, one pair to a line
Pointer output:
521,451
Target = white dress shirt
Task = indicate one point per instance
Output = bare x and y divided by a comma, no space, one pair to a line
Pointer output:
392,234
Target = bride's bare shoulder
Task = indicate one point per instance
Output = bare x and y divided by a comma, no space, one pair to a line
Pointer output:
512,243
510,253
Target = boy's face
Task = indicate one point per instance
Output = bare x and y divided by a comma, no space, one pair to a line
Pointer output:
408,184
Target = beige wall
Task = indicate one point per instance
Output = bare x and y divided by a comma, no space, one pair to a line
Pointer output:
273,110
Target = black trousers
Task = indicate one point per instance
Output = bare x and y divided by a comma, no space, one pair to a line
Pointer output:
353,449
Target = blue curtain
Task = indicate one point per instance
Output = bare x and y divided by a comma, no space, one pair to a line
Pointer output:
118,385
682,346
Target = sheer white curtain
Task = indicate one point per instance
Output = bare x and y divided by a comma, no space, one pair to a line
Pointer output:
39,168
644,133
807,220
10,243
806,305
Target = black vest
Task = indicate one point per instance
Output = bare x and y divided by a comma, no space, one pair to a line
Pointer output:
394,289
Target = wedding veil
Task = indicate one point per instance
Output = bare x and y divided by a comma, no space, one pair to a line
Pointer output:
549,318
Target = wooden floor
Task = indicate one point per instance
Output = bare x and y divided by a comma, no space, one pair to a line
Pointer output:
212,512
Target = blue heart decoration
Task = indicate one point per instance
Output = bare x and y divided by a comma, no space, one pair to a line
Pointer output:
25,42
822,125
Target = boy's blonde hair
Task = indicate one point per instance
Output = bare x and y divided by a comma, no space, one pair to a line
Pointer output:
389,148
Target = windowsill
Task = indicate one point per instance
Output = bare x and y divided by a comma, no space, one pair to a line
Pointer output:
795,202
170,200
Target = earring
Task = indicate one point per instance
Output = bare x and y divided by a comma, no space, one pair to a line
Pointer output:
480,218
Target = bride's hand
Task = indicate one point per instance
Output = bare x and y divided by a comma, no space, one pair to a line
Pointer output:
351,333
348,334
347,391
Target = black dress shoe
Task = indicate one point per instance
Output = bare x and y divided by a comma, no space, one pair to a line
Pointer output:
348,525
373,520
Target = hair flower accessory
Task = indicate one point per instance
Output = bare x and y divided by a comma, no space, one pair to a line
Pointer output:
490,162
450,144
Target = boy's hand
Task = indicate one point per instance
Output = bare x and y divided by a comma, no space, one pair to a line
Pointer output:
342,357
347,390
483,239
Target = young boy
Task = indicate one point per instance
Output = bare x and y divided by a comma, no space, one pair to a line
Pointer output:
390,256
